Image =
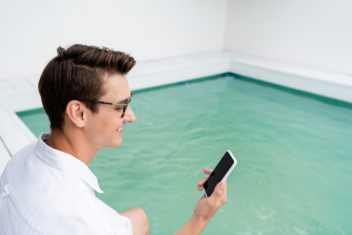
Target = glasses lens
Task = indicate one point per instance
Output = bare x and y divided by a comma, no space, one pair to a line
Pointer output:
124,109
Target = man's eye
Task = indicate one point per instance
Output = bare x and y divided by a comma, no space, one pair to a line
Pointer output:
118,109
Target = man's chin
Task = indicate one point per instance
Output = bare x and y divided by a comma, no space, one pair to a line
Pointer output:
117,143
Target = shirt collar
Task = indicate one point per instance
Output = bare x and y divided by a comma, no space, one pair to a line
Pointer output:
65,162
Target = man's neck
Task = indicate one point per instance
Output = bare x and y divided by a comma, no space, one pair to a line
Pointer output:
73,144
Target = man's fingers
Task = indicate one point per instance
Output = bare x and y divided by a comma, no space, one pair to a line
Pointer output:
201,182
200,188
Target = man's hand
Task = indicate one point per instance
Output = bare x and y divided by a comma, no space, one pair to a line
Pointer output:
207,206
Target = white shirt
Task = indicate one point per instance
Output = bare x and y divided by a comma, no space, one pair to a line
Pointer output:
46,191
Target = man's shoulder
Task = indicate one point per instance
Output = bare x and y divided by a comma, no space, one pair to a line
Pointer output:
16,160
45,196
24,152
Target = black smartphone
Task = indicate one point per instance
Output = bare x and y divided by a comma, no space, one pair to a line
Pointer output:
220,172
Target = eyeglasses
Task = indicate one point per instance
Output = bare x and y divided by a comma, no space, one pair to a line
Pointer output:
124,108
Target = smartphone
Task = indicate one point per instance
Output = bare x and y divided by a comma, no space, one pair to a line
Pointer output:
220,172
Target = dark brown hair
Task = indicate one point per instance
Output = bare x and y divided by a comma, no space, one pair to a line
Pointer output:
76,73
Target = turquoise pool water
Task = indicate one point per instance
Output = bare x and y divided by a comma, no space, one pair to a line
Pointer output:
294,152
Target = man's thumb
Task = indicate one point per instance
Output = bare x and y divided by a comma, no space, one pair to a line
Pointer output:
220,189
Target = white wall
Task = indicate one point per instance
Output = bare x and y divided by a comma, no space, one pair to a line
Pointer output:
147,29
310,33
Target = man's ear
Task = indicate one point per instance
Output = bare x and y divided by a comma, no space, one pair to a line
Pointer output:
76,112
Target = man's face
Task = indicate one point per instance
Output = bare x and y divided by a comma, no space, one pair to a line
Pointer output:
103,129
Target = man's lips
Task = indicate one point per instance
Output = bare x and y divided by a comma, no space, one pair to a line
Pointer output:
120,130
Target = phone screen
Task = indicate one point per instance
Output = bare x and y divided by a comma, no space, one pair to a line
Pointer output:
218,173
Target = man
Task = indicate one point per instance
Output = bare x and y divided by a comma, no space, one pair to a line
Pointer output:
47,187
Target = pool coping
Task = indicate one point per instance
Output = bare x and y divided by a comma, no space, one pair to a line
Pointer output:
21,94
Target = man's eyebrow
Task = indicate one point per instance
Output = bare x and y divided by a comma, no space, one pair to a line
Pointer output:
123,101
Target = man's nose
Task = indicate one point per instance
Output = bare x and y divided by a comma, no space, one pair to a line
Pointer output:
129,115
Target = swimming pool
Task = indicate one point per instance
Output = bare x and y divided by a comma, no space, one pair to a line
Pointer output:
294,155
